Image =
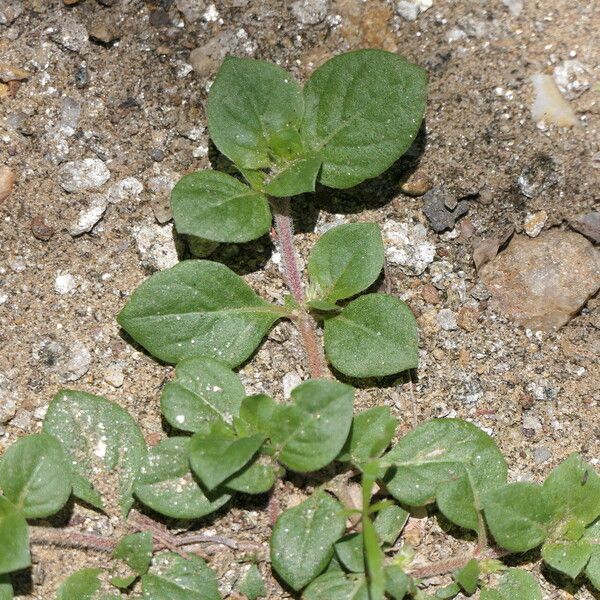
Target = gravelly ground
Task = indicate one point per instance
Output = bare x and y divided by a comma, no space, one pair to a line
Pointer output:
137,104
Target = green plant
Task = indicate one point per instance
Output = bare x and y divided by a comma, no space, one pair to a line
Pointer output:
356,116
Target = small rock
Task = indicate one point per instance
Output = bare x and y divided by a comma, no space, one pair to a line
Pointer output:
430,294
211,14
82,76
549,107
538,176
541,455
7,181
191,10
468,318
88,217
104,32
9,73
114,375
532,423
3,297
455,34
160,200
130,187
206,59
8,404
447,319
40,230
408,247
70,363
588,225
411,9
310,12
85,174
18,264
71,34
64,283
435,207
156,246
572,78
157,155
514,6
417,184
290,381
10,10
480,292
22,420
159,18
161,207
534,223
542,283
70,112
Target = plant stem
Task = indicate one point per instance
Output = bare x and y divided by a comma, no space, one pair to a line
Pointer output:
284,227
452,564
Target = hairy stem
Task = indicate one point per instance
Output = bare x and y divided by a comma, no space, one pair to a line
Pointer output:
452,564
306,325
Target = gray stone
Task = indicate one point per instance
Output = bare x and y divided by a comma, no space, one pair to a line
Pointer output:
541,455
310,12
89,216
206,59
538,176
114,375
156,246
10,11
8,403
447,319
71,34
84,174
70,362
411,9
192,10
588,225
407,246
572,78
435,207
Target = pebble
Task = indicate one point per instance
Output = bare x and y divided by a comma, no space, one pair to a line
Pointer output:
22,420
290,381
411,9
541,283
156,246
588,225
539,175
40,229
541,455
408,247
64,283
310,12
160,200
430,294
447,319
8,404
3,298
572,78
417,184
534,223
88,217
10,11
130,187
549,107
7,181
84,174
206,59
435,207
70,362
9,73
71,34
191,10
104,32
514,6
113,375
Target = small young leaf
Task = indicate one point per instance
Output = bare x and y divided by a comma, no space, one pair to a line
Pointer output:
448,592
257,477
255,415
592,571
375,335
216,206
345,261
295,177
14,538
515,584
349,551
303,538
468,577
569,558
103,442
82,585
35,475
254,112
204,391
370,434
136,551
172,577
218,455
167,486
6,588
447,460
198,308
335,585
389,522
517,515
252,585
323,306
363,109
310,432
397,582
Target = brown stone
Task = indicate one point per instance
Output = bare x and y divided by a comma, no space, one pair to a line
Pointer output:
467,318
588,224
541,283
10,73
40,230
430,294
417,184
7,181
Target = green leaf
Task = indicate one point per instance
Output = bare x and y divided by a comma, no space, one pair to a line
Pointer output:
82,585
514,584
198,308
14,538
252,585
363,110
592,571
136,551
310,432
172,577
349,551
218,455
103,442
449,461
374,560
255,415
517,515
449,591
335,585
295,177
396,582
303,538
468,577
204,391
370,434
167,486
323,306
375,335
6,588
257,477
216,206
346,260
389,523
35,475
569,558
254,112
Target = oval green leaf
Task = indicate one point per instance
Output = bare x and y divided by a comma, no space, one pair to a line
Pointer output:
374,336
136,551
515,584
204,391
216,206
310,432
346,260
82,585
568,558
363,110
449,461
257,477
303,538
104,444
592,570
296,177
349,551
35,475
252,585
14,538
198,308
335,585
167,486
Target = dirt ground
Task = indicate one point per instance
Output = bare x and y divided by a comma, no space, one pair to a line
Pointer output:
136,101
